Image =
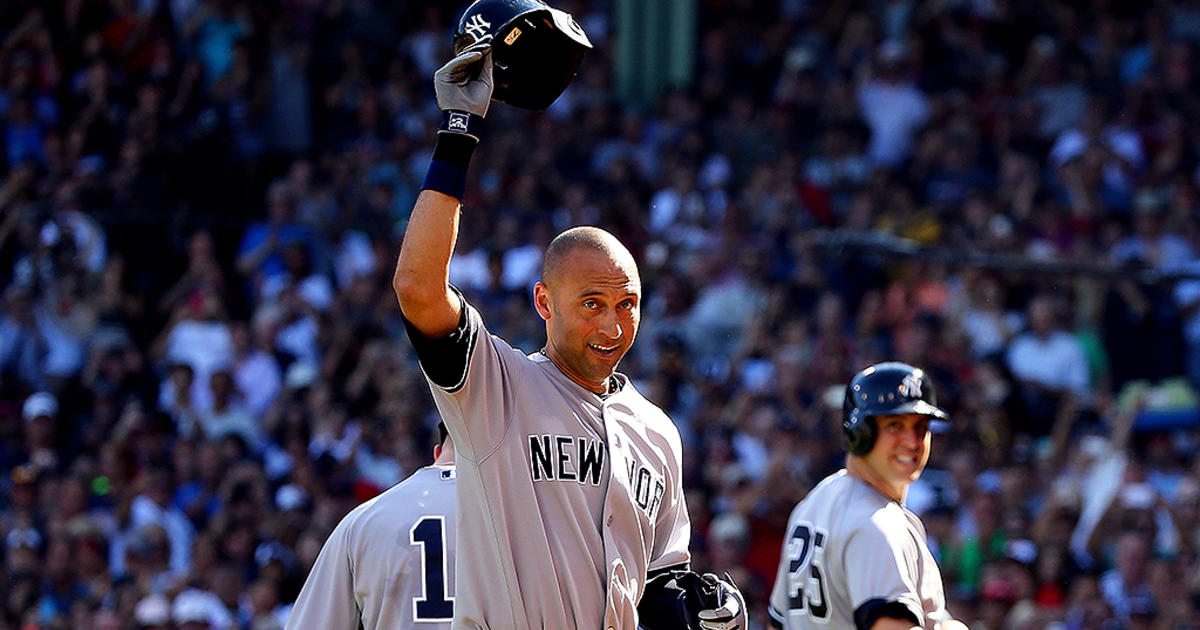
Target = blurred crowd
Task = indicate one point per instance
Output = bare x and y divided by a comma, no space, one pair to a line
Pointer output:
202,366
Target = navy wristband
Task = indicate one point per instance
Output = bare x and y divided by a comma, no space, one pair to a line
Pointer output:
456,142
446,178
455,148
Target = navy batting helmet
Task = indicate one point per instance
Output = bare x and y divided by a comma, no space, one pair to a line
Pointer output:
884,389
536,49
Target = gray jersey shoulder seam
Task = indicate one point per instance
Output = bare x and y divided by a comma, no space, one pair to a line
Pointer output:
461,451
467,421
508,415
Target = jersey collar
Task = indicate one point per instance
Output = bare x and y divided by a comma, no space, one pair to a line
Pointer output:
616,383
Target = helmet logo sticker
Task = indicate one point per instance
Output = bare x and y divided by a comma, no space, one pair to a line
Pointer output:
512,37
477,27
910,387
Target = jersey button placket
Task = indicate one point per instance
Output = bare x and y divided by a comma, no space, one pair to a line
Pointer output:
608,514
614,444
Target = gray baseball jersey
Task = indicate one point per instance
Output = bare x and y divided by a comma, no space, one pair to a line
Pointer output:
389,563
565,498
851,554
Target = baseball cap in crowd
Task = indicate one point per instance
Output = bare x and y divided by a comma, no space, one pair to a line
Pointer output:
1022,551
190,607
153,610
300,374
23,538
273,551
41,404
290,496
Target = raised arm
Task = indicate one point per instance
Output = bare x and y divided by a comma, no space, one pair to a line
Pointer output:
422,273
421,280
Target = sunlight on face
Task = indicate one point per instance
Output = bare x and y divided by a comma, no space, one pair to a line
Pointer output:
901,450
592,310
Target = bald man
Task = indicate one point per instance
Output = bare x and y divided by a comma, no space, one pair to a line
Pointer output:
570,501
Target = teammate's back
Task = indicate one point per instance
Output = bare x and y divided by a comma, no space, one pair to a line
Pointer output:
389,563
840,541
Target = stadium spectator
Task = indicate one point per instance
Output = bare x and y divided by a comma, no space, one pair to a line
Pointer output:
196,196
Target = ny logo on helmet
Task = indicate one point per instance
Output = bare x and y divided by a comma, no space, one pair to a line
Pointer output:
910,387
477,27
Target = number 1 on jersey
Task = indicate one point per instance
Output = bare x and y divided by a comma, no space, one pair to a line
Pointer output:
805,550
434,604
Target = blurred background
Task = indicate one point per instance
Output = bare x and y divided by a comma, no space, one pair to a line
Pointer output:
202,367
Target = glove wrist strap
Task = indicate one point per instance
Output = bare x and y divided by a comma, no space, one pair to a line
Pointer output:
447,172
459,122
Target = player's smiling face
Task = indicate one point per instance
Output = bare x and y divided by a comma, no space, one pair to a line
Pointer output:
900,453
592,310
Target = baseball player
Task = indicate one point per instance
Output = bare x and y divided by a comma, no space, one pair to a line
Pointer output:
390,562
570,501
853,555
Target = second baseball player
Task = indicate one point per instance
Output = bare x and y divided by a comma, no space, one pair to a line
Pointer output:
853,556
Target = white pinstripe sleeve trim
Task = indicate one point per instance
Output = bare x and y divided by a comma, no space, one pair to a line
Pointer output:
470,347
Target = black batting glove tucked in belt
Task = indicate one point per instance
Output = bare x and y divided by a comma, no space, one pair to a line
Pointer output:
731,614
680,599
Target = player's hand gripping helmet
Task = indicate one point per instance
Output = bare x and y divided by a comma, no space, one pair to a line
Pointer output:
884,389
536,49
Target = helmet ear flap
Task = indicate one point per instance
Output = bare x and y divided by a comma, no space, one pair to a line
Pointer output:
858,434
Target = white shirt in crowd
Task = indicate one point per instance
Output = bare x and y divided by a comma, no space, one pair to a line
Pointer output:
894,112
1056,362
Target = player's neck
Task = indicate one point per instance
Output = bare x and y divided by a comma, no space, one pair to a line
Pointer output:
445,457
604,388
859,469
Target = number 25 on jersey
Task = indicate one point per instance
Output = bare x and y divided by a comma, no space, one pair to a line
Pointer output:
807,592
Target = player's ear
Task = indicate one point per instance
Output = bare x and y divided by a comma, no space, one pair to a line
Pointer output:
541,300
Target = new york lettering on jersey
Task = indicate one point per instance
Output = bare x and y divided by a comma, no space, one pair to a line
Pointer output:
566,458
647,486
581,460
